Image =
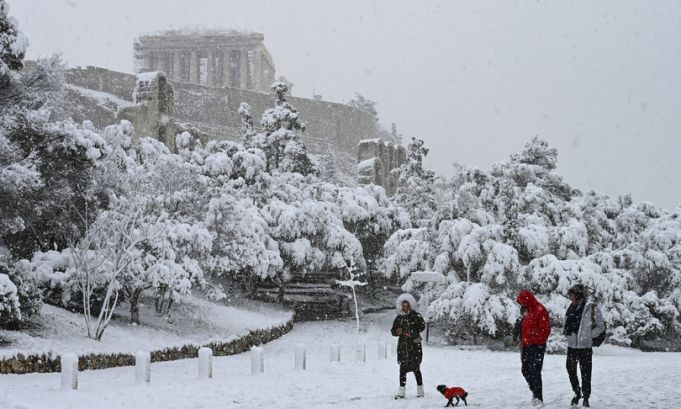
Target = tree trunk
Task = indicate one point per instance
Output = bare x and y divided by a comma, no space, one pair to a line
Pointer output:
134,307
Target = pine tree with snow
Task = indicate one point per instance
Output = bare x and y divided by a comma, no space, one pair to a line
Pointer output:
247,131
280,140
415,185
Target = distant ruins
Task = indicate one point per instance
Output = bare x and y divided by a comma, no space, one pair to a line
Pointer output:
193,81
214,58
376,160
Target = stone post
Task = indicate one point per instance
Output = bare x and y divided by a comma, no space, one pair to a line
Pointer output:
300,358
257,360
142,367
205,363
69,371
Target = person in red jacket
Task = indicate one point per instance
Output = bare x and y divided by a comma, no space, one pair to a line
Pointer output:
536,329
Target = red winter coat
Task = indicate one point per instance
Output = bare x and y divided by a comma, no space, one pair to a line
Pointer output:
454,392
536,325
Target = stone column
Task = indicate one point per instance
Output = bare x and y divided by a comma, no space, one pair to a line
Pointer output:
244,69
177,67
210,68
226,68
167,65
147,61
258,71
194,67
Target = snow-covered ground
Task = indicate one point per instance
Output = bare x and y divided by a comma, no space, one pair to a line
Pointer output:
622,378
194,321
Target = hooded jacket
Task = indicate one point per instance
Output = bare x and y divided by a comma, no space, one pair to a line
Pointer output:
588,328
409,348
536,326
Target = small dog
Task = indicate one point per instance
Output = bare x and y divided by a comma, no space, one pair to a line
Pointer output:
453,393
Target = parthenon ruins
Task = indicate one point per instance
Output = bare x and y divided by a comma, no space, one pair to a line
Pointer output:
209,57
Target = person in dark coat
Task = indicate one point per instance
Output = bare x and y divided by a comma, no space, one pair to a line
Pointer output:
408,326
535,331
583,322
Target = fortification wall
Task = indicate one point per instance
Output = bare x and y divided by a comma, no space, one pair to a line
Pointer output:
213,111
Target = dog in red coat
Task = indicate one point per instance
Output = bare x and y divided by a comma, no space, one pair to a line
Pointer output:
453,393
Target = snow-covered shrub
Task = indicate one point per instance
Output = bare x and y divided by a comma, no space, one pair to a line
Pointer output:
406,251
20,298
472,308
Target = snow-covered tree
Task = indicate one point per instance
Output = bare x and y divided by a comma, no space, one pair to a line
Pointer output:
247,131
44,164
415,185
19,296
13,44
521,225
279,139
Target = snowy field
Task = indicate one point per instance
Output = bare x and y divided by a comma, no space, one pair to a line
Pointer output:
194,321
623,378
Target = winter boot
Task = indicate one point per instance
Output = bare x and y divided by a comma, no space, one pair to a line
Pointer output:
401,393
537,402
419,391
575,400
585,403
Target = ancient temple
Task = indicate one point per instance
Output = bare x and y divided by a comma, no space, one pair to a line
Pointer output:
217,58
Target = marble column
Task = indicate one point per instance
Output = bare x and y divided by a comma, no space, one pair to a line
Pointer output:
258,81
194,67
244,69
226,68
210,68
177,66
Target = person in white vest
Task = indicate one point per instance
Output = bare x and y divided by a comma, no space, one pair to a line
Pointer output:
583,322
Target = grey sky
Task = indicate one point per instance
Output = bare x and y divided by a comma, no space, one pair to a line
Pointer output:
601,81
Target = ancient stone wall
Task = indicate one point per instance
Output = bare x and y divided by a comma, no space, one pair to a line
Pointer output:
152,112
213,111
376,160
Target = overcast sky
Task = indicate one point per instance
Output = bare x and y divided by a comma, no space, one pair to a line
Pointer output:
601,81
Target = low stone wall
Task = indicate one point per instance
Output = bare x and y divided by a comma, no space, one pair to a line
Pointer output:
22,364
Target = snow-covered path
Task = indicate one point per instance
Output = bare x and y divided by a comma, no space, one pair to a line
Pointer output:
622,378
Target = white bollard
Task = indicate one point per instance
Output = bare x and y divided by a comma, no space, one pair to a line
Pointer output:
382,350
142,367
257,361
301,358
205,363
335,353
69,371
361,352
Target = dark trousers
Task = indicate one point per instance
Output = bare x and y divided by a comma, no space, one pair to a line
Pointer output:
583,357
532,358
403,374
